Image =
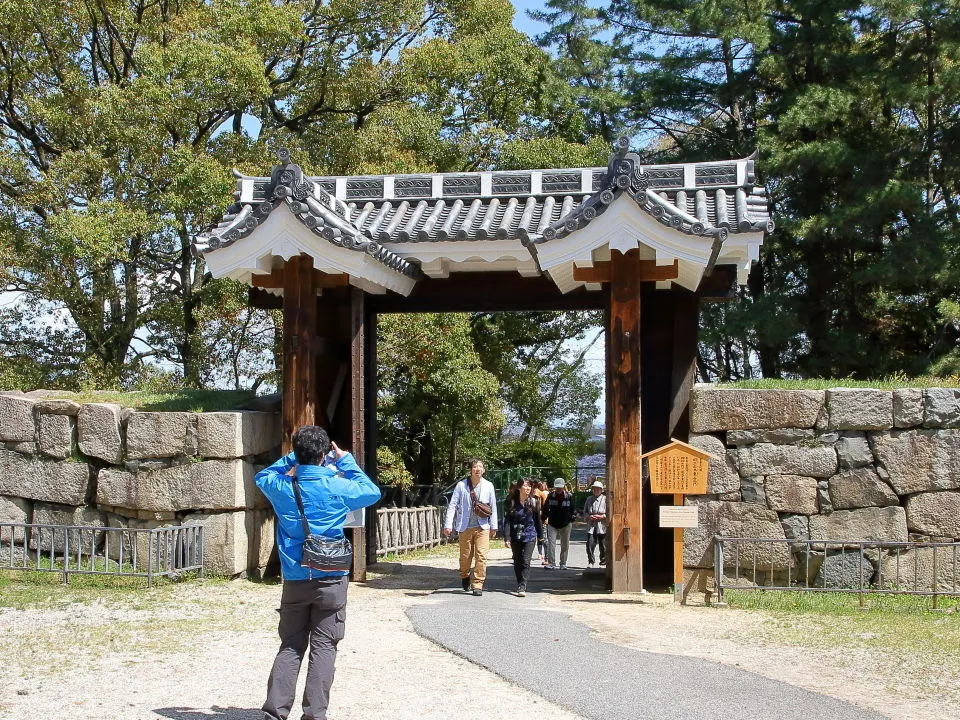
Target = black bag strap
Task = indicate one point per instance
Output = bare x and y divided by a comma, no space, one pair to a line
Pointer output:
303,515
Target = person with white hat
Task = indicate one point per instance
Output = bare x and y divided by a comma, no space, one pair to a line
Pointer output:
595,512
558,512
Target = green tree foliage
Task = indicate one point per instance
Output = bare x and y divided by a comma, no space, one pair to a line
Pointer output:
121,120
854,109
595,96
548,391
554,457
436,403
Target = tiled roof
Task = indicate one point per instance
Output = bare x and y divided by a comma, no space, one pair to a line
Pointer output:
366,213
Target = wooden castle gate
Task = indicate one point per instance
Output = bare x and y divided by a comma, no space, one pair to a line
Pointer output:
643,243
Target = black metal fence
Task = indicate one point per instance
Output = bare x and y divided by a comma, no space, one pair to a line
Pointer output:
852,566
89,550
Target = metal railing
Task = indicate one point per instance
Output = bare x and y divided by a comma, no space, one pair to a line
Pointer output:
94,550
852,566
401,530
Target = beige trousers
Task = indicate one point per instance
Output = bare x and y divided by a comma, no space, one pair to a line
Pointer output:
474,543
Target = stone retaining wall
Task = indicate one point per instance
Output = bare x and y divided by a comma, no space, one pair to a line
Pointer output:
838,464
99,464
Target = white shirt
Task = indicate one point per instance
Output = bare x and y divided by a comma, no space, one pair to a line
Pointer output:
461,505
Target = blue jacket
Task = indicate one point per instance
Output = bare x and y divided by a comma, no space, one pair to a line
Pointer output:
329,492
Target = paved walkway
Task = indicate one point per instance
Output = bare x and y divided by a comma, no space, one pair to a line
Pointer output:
543,650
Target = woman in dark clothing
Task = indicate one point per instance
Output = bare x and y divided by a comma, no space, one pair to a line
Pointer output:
522,529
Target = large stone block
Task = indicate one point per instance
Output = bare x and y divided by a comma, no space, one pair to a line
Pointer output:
235,542
859,409
56,436
44,480
713,410
71,537
934,513
907,407
98,432
57,407
913,569
941,407
795,527
778,436
134,547
793,494
848,569
13,510
237,434
886,523
752,490
766,459
853,451
722,475
860,488
160,434
208,485
919,460
732,519
16,419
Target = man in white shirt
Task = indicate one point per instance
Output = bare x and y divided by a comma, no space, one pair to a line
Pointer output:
595,513
474,503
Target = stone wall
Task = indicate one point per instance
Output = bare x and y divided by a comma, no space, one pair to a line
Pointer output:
99,464
838,464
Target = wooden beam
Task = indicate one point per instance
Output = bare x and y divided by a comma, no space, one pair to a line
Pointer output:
486,292
275,280
720,285
647,270
623,424
299,328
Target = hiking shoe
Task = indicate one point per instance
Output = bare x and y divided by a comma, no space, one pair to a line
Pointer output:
477,592
465,584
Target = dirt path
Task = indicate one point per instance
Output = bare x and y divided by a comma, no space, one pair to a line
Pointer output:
198,651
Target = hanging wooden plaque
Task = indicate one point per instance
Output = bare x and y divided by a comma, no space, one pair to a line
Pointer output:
678,469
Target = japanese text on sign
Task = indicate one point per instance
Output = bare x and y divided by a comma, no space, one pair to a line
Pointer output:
676,471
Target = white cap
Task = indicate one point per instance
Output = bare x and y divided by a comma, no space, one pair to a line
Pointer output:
597,483
559,483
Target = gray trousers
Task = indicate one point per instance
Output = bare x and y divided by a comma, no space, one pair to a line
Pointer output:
552,535
312,612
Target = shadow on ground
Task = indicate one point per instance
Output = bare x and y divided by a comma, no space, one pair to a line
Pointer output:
214,713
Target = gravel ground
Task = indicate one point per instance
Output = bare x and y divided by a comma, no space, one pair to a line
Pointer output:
203,650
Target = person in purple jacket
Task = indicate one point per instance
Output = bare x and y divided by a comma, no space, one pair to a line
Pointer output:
313,602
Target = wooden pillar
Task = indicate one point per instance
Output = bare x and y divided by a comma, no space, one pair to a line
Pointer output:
686,331
625,555
370,424
299,328
358,419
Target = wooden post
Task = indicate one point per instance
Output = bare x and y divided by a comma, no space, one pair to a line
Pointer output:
678,555
299,328
623,423
357,418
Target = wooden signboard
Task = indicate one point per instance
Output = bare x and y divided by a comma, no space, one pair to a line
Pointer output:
678,469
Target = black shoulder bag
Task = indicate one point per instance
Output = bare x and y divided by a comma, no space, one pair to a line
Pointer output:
319,551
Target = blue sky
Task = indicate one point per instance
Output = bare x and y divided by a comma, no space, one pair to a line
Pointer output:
520,20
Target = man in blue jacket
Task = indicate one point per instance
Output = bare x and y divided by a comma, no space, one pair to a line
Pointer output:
313,603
